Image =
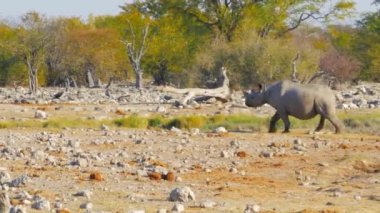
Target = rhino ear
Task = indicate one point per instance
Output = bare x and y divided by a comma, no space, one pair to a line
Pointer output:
262,87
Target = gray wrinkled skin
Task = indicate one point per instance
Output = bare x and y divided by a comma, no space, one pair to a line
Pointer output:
301,101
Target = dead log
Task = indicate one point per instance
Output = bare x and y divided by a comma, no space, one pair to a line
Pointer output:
221,93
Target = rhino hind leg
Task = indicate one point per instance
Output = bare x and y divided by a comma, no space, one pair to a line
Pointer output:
321,124
336,123
273,121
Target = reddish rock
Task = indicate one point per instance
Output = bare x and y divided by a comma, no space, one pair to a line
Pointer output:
96,176
155,176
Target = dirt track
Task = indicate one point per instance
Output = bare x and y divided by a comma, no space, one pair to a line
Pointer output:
280,172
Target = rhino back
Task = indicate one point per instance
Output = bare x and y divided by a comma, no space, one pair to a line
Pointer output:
299,100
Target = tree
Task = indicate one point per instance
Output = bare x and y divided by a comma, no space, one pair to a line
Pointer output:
57,58
136,41
224,17
367,45
29,45
93,55
342,66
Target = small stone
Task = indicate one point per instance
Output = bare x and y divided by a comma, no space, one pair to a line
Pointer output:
87,206
357,197
39,114
252,208
266,154
337,194
137,211
161,109
4,202
184,194
104,127
178,208
41,204
4,177
162,211
208,204
297,142
323,164
234,170
20,181
17,209
225,154
175,130
84,193
241,154
155,176
220,130
96,176
169,177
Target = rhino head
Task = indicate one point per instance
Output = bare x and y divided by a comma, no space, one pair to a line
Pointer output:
255,99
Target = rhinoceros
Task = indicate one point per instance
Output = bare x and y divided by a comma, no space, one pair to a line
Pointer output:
298,100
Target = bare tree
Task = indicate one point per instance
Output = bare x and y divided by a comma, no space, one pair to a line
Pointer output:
135,53
30,44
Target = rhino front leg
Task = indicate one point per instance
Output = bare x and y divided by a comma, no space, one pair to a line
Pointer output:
321,124
286,121
273,121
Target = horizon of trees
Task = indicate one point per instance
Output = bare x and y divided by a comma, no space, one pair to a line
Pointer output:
185,43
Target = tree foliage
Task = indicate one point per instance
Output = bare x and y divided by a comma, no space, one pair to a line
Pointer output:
188,42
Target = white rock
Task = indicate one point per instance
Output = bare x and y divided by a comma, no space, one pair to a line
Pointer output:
4,202
41,204
184,194
84,193
4,177
225,154
162,211
17,209
357,197
178,208
87,206
161,109
137,211
208,204
104,127
220,130
252,208
39,114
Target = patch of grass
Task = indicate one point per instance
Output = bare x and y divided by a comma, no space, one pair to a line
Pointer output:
237,122
354,121
187,122
72,123
17,124
132,121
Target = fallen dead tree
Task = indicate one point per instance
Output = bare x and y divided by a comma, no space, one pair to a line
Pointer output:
221,93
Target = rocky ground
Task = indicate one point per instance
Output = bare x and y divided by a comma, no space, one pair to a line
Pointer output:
108,169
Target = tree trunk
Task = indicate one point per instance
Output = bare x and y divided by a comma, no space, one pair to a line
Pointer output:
139,79
294,68
33,82
90,79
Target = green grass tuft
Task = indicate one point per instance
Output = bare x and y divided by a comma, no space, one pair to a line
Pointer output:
132,121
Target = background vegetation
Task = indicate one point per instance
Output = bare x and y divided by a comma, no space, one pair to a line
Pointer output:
188,41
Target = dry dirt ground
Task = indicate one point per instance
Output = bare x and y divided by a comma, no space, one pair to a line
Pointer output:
280,172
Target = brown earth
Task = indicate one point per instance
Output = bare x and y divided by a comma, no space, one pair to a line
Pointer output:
329,173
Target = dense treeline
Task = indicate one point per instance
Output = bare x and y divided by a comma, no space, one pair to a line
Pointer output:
185,43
